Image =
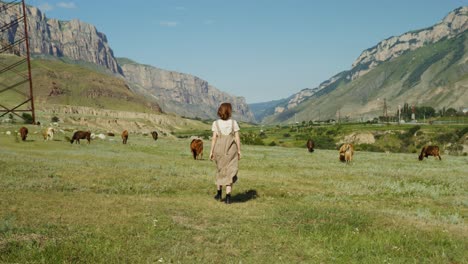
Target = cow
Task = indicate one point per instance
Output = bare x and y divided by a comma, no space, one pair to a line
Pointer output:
124,136
24,133
81,135
346,153
196,146
48,134
430,151
155,135
310,145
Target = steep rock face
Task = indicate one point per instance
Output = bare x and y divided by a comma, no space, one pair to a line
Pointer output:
453,24
73,39
183,94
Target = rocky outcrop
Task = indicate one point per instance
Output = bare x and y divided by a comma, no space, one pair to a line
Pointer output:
73,39
113,120
453,24
183,94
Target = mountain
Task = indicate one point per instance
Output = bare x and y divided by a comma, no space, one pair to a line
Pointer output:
423,67
73,39
81,43
184,94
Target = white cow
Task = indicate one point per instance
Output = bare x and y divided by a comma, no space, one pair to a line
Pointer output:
48,134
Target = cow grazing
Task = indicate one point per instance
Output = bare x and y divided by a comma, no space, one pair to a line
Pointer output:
196,146
48,134
124,136
155,135
430,151
310,145
81,135
346,153
24,133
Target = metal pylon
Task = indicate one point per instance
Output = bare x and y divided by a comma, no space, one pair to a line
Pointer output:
16,89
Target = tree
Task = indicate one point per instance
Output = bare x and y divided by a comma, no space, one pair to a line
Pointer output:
450,112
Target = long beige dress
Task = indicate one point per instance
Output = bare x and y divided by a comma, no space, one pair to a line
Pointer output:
225,156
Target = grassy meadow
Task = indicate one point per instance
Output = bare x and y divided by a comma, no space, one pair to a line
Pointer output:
150,202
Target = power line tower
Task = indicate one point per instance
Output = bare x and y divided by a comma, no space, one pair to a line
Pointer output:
16,89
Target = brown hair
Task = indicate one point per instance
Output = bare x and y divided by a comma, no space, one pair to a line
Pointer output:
225,111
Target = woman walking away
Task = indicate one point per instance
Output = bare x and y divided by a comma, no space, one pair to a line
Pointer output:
225,150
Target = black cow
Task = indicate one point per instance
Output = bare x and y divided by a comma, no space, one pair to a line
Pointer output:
81,135
155,135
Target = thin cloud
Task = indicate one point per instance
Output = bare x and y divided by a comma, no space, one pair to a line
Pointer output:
169,23
208,22
46,7
67,5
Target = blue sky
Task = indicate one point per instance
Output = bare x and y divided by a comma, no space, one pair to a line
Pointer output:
260,49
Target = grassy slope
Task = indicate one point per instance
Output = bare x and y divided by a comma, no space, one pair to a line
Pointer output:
434,75
81,86
150,201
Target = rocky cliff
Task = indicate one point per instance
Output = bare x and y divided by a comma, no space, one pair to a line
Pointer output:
453,24
73,39
184,94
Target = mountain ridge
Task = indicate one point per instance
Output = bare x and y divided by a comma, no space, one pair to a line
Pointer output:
452,26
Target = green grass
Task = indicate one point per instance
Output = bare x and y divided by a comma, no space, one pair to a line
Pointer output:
149,202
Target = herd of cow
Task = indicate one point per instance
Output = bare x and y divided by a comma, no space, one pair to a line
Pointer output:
346,150
48,134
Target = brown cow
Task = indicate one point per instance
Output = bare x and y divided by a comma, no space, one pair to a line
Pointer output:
196,146
81,135
429,151
310,145
346,153
124,136
24,133
155,135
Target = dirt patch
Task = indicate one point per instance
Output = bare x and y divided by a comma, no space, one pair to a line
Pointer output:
359,138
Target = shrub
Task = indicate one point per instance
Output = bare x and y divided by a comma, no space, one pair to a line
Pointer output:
324,142
55,119
251,139
273,143
447,137
462,132
27,118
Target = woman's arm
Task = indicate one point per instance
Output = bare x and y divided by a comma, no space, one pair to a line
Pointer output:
237,138
213,142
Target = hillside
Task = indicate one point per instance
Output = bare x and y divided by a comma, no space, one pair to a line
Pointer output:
83,98
435,75
424,67
56,82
